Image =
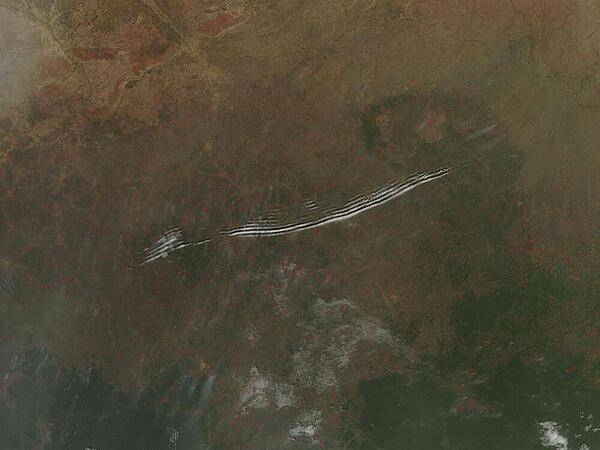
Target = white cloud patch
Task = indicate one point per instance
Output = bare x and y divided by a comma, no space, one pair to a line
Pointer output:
305,426
550,436
263,392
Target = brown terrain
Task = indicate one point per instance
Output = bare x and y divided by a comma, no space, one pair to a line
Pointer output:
463,315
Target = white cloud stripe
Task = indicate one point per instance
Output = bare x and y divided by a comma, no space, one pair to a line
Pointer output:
345,212
172,240
357,201
165,242
164,251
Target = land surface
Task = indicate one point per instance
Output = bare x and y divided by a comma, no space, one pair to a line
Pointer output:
463,315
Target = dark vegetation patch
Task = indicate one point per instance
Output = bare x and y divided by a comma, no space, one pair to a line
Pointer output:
499,374
423,411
